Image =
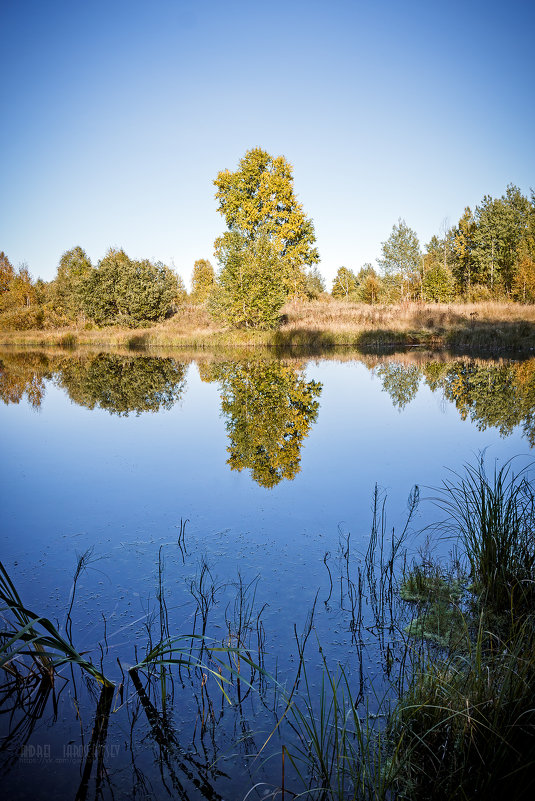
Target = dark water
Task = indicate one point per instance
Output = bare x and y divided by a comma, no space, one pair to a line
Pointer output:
273,462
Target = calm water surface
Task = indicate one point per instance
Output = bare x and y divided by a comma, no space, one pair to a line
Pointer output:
273,463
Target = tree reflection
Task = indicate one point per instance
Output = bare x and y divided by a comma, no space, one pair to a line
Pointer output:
490,395
269,409
499,396
401,381
122,384
119,384
23,375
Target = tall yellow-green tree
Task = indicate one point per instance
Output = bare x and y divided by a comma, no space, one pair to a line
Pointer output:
202,281
258,198
249,289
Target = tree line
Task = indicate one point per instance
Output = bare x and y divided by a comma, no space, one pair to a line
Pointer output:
267,254
488,254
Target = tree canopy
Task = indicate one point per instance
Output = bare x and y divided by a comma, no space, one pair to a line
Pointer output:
126,292
401,257
345,283
74,270
258,199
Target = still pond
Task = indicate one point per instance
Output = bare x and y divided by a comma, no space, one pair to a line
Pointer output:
230,498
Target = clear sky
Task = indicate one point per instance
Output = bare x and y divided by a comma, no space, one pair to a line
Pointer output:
118,115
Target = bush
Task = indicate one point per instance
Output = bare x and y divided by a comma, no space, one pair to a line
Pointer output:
23,318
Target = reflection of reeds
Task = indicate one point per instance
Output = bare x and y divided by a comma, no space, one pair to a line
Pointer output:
97,746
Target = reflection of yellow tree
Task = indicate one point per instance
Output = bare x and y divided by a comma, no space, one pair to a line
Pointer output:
270,408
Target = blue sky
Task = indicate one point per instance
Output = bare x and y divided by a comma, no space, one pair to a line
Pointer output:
118,115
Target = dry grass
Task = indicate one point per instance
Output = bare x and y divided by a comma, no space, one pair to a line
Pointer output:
339,315
318,324
481,325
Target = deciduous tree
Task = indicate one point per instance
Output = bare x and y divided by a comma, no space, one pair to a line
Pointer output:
74,270
250,290
345,283
6,272
314,283
401,258
202,281
258,200
125,292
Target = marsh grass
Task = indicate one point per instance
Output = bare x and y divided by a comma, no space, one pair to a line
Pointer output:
494,518
429,582
465,724
339,750
311,326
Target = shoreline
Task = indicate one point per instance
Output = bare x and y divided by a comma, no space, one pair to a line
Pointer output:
316,327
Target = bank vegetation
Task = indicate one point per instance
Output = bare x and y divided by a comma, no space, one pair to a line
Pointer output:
313,325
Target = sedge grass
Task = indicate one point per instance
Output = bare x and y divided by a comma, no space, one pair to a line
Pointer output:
494,517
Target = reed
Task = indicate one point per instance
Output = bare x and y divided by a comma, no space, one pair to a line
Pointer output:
494,517
465,722
35,637
464,726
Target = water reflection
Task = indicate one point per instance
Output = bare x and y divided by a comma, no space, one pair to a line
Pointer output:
268,405
491,395
400,381
123,384
118,383
269,409
23,375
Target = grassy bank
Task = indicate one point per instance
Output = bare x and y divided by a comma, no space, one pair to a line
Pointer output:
318,325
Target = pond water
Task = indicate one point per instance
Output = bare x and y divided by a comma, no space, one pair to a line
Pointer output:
273,463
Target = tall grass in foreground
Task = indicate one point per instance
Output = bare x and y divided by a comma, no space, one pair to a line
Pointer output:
35,637
465,725
494,517
460,722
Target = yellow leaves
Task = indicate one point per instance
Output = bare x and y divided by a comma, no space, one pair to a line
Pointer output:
259,197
